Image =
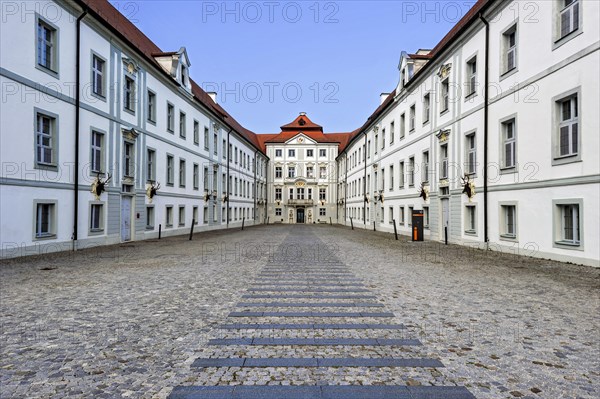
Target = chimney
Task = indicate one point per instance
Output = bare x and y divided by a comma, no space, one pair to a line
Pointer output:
382,97
213,95
302,113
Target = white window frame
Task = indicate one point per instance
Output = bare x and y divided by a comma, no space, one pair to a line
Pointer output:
509,49
50,233
51,68
506,219
471,154
98,78
97,152
508,142
41,137
575,207
100,228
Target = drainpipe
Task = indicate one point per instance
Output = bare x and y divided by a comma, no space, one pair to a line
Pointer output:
267,190
365,184
486,128
228,162
77,107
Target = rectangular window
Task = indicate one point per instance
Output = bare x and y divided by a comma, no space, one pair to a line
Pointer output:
310,172
425,172
509,215
569,227
278,212
96,218
291,153
376,143
98,75
470,219
322,211
215,144
170,117
310,153
129,94
46,46
195,214
402,125
401,215
383,139
471,76
149,218
322,194
170,170
196,176
182,215
291,172
426,217
444,161
44,222
411,171
291,193
278,152
410,213
151,107
278,172
509,39
471,155
96,157
206,143
412,118
182,132
196,132
300,192
322,172
278,194
391,214
309,195
391,177
45,140
445,95
401,174
322,153
182,173
392,132
128,160
509,158
169,216
426,107
569,17
568,129
151,165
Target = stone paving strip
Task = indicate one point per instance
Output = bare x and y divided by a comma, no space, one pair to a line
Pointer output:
321,392
302,341
316,362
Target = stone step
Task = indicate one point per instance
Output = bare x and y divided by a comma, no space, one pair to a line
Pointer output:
311,314
311,326
316,341
310,305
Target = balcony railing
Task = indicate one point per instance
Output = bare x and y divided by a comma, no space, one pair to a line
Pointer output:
300,202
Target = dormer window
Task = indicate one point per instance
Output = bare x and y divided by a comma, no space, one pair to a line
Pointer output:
184,75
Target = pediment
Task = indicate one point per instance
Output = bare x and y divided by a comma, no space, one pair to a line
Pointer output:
301,139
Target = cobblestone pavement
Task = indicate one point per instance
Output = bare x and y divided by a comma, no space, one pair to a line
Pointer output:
329,311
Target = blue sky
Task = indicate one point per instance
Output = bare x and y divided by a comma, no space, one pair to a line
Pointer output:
270,60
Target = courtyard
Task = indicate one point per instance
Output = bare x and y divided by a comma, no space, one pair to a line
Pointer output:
297,312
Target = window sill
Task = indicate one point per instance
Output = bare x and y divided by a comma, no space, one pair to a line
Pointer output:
99,96
470,96
169,184
426,122
470,232
170,131
96,232
49,236
182,136
151,121
508,237
508,73
44,166
508,170
566,159
168,225
444,111
129,111
567,38
49,71
149,228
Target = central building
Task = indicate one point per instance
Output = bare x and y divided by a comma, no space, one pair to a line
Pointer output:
302,174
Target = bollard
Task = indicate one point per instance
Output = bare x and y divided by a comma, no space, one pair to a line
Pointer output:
352,223
243,220
330,222
395,230
159,230
446,235
192,229
374,226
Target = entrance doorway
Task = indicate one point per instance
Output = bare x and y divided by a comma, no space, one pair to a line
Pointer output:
125,218
300,215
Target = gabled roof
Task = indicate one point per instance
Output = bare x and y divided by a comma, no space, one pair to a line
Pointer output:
302,122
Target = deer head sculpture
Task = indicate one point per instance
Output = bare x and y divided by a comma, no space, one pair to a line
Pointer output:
99,186
151,190
424,192
468,186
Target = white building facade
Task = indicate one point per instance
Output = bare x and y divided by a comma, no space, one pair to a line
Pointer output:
506,104
302,175
88,99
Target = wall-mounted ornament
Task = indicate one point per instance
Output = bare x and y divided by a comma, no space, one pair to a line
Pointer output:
443,135
444,71
468,187
99,186
424,192
151,190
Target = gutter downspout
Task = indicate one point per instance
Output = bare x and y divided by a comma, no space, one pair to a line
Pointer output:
365,183
485,129
77,117
266,190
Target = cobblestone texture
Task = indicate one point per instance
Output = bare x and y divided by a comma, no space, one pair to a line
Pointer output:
129,320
